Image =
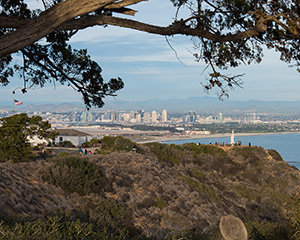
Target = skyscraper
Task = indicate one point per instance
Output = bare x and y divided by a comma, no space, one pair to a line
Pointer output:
147,117
253,117
83,117
112,116
221,117
138,118
90,117
164,116
154,117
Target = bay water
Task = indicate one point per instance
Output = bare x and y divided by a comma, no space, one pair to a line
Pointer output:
288,145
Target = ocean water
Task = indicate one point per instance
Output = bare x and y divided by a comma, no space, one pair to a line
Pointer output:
288,145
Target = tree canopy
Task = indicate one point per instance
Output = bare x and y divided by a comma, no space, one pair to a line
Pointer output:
224,33
15,133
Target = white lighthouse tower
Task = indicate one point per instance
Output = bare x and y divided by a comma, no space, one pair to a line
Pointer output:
232,138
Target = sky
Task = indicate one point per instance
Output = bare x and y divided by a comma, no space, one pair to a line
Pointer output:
151,70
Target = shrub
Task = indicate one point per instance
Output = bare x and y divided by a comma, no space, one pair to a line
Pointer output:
118,143
197,174
101,151
206,149
86,144
275,155
266,230
160,203
95,142
35,148
113,215
202,187
62,228
123,144
74,174
107,142
165,152
293,214
252,155
66,144
51,228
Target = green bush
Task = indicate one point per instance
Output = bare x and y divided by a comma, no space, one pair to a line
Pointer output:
205,149
95,142
252,155
74,174
62,228
66,144
101,151
197,174
86,145
202,187
266,230
165,152
118,143
108,142
275,155
51,228
160,203
111,214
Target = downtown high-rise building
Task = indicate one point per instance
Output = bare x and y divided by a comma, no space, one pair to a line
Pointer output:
164,116
83,117
90,117
154,117
221,117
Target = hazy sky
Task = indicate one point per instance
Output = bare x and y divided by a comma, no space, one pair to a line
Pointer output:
150,69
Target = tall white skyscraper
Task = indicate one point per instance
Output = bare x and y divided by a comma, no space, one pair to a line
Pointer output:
221,117
164,116
253,117
90,117
154,117
138,118
84,117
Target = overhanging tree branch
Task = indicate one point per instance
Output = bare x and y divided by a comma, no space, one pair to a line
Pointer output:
46,23
178,27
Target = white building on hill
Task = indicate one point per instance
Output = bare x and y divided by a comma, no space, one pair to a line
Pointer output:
74,136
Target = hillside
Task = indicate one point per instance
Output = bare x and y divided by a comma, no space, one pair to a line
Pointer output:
157,192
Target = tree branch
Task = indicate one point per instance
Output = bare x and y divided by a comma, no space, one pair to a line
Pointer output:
178,27
48,21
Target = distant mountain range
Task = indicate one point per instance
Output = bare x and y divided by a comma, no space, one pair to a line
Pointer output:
198,104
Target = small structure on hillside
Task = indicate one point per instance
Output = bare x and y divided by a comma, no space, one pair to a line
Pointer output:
232,138
77,138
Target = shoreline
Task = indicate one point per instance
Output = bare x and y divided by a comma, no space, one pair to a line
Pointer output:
221,135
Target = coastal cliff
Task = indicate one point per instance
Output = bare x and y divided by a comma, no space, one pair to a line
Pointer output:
158,191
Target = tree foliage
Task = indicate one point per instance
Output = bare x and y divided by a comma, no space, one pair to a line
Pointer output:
15,133
224,33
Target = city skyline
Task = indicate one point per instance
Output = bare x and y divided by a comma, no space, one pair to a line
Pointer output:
151,70
139,117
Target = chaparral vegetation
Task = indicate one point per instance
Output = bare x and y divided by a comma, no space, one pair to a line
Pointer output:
157,191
